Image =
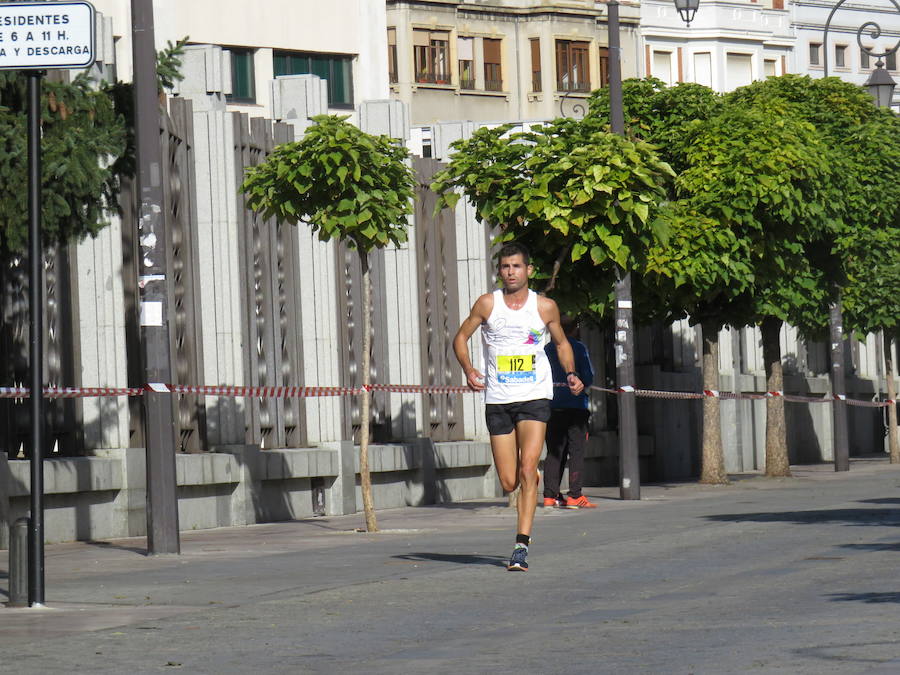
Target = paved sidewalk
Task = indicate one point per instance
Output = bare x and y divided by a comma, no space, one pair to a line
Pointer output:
764,575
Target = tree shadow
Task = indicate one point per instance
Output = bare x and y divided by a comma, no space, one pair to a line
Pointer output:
458,558
869,598
861,517
114,545
872,547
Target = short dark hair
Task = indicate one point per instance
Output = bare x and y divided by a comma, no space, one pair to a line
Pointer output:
514,248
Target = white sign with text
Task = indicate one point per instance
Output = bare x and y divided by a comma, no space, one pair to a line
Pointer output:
36,35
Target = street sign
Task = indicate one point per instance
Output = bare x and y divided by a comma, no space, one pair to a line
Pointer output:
43,35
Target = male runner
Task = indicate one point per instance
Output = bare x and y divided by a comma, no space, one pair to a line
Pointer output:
518,384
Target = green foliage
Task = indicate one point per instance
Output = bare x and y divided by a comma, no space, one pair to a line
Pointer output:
765,174
168,64
863,149
346,183
571,192
702,267
81,134
657,114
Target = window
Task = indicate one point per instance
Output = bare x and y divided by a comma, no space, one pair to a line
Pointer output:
493,78
840,56
662,66
738,70
431,52
815,49
703,68
465,55
890,61
604,66
770,68
243,87
392,55
335,69
864,59
572,72
536,64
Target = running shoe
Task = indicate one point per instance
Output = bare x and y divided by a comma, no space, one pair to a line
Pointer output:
579,503
518,561
552,503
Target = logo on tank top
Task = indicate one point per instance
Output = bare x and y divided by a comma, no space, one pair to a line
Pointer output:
533,337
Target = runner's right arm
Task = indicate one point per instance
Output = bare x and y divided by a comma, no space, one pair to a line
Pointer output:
480,313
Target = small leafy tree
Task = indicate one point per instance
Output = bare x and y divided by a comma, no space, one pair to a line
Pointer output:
701,274
704,266
765,174
346,185
856,253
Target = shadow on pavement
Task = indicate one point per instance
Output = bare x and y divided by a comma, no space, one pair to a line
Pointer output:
462,559
881,500
861,516
119,547
890,596
872,547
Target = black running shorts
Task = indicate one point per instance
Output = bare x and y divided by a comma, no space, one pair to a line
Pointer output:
502,418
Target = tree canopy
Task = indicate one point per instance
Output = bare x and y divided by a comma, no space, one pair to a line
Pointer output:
571,191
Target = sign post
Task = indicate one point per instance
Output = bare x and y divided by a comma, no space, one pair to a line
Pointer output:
36,36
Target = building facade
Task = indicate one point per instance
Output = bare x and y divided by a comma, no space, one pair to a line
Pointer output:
503,60
845,56
729,44
342,41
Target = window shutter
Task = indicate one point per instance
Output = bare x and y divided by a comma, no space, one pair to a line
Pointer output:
491,50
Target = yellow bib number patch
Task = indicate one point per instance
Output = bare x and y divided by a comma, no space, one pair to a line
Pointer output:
513,368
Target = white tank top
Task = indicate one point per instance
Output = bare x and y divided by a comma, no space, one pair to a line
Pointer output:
516,367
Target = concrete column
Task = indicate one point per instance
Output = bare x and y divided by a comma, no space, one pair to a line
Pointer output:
248,486
423,488
128,516
5,521
340,498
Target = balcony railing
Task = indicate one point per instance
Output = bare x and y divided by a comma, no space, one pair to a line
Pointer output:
392,76
566,85
433,78
467,84
493,85
536,81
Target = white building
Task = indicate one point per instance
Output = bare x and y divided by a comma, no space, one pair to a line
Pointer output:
730,43
845,57
342,41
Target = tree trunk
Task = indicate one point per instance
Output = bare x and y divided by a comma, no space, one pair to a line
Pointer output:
893,443
712,470
365,478
777,462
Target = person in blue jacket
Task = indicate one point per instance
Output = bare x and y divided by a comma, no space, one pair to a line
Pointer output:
567,430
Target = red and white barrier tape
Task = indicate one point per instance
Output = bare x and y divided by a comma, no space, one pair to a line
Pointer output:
312,392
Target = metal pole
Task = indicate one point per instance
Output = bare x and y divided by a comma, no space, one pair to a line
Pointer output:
36,337
159,418
839,405
629,461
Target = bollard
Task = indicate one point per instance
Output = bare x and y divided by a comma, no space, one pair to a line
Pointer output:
18,563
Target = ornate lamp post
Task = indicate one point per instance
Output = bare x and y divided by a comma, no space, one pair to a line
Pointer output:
881,86
687,9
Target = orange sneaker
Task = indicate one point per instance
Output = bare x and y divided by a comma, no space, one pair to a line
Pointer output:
552,503
579,503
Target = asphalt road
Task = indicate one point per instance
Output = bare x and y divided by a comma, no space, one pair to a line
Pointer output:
791,575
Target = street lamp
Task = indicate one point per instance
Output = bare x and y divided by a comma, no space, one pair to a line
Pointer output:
881,85
687,9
